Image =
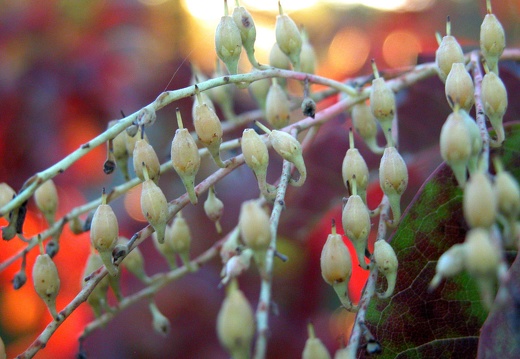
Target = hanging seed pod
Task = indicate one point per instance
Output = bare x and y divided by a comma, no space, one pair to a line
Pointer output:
456,146
336,266
46,197
208,129
228,41
507,193
448,53
492,39
134,262
165,248
393,179
258,89
288,37
214,208
482,261
235,323
246,25
144,153
475,139
494,99
154,205
355,169
366,126
131,140
307,55
204,99
290,149
185,158
479,202
160,323
46,281
180,239
459,87
386,262
104,231
97,299
356,224
382,104
278,59
277,106
6,194
449,265
253,223
314,348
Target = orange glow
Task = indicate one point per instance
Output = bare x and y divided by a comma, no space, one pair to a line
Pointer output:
401,48
348,51
133,204
15,319
341,323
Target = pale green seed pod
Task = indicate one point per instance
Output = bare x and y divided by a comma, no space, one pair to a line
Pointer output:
209,130
480,201
46,198
46,281
104,231
186,160
256,157
253,223
494,99
144,153
131,140
492,41
97,299
246,25
180,235
6,194
448,53
214,208
278,59
382,105
356,224
307,56
456,146
355,169
165,248
314,348
507,192
475,139
291,150
160,323
203,98
288,38
236,324
459,87
393,179
277,107
386,262
228,43
154,207
450,264
365,125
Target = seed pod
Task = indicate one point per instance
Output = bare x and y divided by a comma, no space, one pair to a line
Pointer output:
507,193
180,238
356,224
456,146
209,130
6,194
256,157
134,262
160,323
366,126
475,139
97,299
450,263
104,231
165,248
214,208
459,87
258,89
46,197
278,59
119,150
336,266
307,55
277,107
144,153
253,223
382,105
288,38
355,169
494,99
492,40
482,262
393,179
154,206
236,324
314,348
228,42
131,140
449,52
386,262
185,158
199,100
46,281
246,25
479,202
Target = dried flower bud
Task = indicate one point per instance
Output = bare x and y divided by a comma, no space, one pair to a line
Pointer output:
365,124
185,159
480,202
288,38
46,281
97,299
382,105
253,223
450,263
314,348
456,146
6,194
448,53
494,99
144,153
356,224
228,43
104,231
46,197
507,193
355,169
492,40
214,208
459,87
336,266
277,107
278,59
154,207
236,324
386,262
160,323
393,179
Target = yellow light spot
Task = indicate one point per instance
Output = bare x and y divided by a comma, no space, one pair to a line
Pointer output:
348,51
401,48
133,204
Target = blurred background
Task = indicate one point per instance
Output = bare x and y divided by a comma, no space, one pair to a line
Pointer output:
69,67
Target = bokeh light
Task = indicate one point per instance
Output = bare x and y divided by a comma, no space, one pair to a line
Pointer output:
401,48
348,51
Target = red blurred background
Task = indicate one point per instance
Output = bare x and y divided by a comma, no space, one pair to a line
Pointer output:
67,68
